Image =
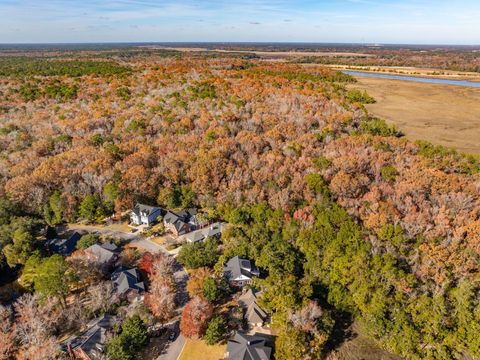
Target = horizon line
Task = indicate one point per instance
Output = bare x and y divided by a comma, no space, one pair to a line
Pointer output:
238,42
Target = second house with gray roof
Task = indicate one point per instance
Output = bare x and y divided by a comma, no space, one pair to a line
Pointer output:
127,283
240,272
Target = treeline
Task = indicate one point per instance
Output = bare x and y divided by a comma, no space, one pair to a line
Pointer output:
442,60
28,66
351,215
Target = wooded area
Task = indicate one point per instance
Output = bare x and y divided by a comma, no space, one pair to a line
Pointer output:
340,212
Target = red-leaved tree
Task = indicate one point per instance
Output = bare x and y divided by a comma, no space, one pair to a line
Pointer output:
195,317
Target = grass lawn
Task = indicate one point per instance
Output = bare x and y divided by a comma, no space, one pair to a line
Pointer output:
198,350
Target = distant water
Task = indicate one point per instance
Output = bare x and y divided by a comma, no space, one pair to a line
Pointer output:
414,78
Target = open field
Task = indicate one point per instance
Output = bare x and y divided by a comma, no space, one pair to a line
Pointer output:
198,350
442,114
266,53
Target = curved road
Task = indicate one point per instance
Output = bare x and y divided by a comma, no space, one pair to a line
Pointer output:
175,348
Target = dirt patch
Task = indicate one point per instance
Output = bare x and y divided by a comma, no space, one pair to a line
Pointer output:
442,114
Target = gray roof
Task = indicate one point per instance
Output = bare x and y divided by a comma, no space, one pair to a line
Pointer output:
201,234
254,313
147,209
125,280
93,340
179,222
237,266
247,347
249,297
103,252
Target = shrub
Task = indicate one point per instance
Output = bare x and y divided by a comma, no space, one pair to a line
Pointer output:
359,96
389,173
378,127
86,241
322,163
203,90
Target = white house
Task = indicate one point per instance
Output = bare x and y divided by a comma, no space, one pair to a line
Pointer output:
239,272
145,214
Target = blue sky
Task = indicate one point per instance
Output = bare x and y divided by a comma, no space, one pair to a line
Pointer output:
362,21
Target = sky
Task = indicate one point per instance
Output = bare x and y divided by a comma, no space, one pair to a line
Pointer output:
335,21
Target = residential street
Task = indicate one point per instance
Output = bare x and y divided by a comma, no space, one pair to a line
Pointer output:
173,349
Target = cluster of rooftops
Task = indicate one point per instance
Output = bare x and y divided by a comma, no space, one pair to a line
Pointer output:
185,224
127,283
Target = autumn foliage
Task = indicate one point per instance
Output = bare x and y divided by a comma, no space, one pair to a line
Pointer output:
195,317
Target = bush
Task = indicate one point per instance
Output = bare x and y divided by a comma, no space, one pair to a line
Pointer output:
360,97
389,173
124,93
61,91
317,184
86,241
379,127
203,90
321,163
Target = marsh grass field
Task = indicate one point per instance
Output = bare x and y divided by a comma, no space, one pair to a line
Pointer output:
442,114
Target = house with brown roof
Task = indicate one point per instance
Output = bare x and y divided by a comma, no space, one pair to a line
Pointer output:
103,255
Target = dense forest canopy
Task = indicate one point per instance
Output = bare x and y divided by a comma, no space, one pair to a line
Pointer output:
331,203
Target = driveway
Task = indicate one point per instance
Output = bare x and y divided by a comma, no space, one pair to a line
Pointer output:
102,230
174,349
148,245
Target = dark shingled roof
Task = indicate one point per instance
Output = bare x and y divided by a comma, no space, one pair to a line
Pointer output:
63,246
124,279
179,221
247,347
254,313
147,209
103,252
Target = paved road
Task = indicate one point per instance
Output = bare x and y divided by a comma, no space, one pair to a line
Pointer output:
174,349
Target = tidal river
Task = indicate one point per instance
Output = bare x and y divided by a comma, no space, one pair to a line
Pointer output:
414,78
